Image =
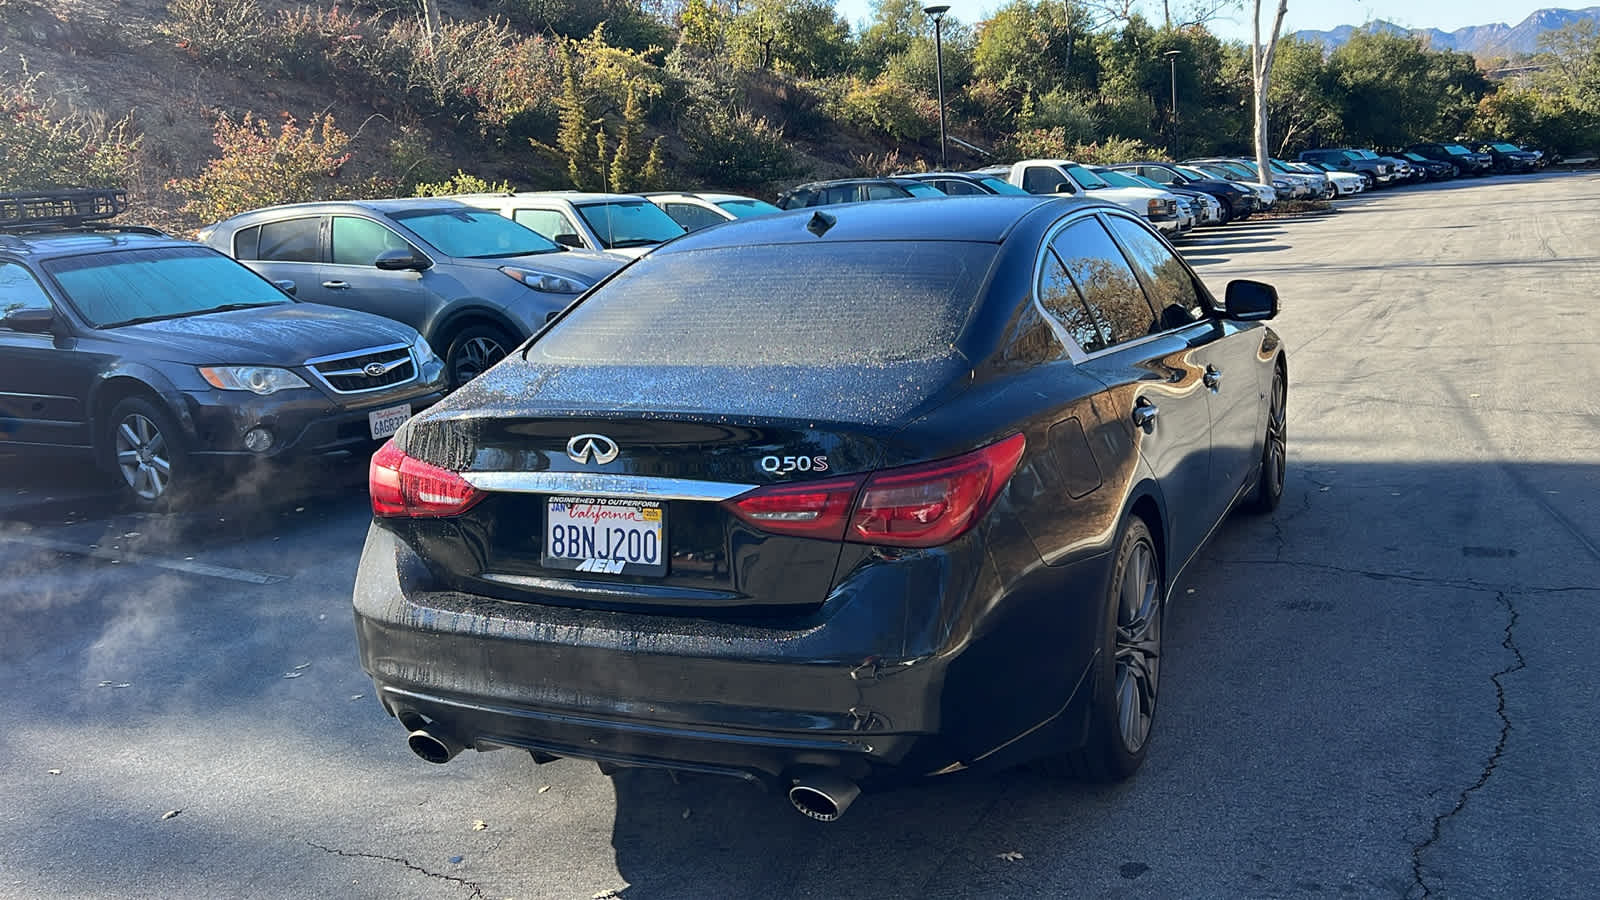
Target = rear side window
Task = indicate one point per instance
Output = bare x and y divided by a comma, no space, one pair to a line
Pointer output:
1102,275
1061,298
777,305
1167,281
844,194
691,217
292,240
957,188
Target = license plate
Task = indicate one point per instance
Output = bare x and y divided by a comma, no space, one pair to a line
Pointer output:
604,536
386,422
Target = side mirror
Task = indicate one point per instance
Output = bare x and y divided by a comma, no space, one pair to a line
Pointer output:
400,261
32,320
1064,188
1250,301
287,286
569,240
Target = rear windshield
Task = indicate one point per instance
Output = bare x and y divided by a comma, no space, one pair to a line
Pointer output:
120,287
777,305
1001,187
741,209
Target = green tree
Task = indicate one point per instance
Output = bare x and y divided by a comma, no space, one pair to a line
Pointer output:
800,37
625,163
573,136
1304,99
1398,91
42,147
1032,47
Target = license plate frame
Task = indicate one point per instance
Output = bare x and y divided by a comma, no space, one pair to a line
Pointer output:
601,549
383,423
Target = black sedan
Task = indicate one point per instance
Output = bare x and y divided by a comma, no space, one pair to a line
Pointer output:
915,512
156,356
1509,157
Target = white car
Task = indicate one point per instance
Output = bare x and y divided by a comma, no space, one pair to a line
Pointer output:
1063,176
1266,194
625,224
702,210
1344,183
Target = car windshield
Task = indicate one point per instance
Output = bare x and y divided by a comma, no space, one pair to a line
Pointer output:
121,287
867,303
469,233
1507,148
1000,186
918,189
740,209
1086,179
1365,154
1142,181
1456,149
1193,174
1118,179
629,223
1414,157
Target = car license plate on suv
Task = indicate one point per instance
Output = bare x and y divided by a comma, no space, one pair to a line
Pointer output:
606,536
385,422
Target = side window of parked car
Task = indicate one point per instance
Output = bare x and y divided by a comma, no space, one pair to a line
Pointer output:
1041,179
1061,298
840,194
548,222
20,290
691,217
292,240
884,192
1157,174
1109,287
957,188
357,242
1167,281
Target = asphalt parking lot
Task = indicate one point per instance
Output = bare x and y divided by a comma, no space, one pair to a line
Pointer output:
1387,689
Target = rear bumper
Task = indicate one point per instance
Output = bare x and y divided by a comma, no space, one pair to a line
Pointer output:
857,690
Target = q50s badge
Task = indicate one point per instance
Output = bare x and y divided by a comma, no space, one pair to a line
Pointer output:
786,465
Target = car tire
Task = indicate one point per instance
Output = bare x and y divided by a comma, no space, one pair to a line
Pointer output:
473,350
1126,671
148,455
1274,448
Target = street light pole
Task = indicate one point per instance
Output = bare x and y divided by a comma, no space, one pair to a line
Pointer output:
1172,65
938,64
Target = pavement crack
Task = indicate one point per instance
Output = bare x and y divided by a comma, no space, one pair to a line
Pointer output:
1517,664
477,889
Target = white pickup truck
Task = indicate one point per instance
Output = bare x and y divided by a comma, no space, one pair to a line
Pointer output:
1063,176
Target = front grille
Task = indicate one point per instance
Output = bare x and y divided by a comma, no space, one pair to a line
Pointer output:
347,374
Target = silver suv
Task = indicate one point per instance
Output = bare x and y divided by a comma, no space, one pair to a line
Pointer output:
473,283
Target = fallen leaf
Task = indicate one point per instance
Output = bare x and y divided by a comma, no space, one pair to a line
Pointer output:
544,788
299,509
122,684
479,825
456,860
53,772
304,665
357,696
134,534
170,814
1189,591
607,894
107,683
1009,856
686,814
293,674
1324,489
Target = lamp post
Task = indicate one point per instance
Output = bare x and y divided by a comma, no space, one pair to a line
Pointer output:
1172,66
938,64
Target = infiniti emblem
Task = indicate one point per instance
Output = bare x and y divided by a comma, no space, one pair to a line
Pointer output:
598,448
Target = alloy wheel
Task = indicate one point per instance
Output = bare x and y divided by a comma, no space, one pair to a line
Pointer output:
1277,432
475,357
1138,651
143,456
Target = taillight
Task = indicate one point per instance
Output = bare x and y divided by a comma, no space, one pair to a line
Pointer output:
405,487
916,506
816,509
934,503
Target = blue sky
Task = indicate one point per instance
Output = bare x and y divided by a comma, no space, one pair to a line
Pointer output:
1445,14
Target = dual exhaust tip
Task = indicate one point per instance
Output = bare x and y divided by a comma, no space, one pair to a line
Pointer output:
820,795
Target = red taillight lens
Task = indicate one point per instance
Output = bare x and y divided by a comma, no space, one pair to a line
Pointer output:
935,503
816,509
917,506
410,488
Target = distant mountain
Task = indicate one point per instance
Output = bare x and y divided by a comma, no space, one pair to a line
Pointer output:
1498,39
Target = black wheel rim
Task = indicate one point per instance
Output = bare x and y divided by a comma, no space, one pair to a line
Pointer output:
1138,656
143,457
474,357
1277,434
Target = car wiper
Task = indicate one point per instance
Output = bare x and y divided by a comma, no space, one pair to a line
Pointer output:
636,242
161,317
230,307
140,320
513,253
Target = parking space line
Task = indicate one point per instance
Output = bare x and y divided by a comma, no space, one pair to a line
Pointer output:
188,567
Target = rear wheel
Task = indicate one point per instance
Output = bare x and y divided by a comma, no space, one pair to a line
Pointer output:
147,453
473,350
1127,671
1274,452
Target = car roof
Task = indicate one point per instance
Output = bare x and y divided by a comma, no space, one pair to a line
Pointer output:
74,241
708,196
985,219
569,196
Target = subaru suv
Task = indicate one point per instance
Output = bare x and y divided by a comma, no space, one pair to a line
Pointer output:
155,356
473,283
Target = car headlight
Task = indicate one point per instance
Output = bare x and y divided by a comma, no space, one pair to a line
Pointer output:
421,352
544,281
261,380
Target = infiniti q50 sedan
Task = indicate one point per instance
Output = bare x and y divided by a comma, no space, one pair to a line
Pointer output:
826,499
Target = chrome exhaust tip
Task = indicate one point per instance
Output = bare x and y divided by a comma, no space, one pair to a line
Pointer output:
823,796
434,746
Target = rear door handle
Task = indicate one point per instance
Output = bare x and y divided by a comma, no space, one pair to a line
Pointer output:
1144,415
336,285
1213,377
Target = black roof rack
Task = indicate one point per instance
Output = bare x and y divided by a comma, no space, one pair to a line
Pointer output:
35,210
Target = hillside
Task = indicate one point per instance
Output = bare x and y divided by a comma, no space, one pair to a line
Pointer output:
1498,39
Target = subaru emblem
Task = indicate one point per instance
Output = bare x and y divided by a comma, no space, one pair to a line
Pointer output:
596,448
375,369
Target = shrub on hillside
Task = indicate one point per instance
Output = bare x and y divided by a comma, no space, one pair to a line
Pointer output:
460,183
735,148
262,167
41,148
222,32
889,107
1058,143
